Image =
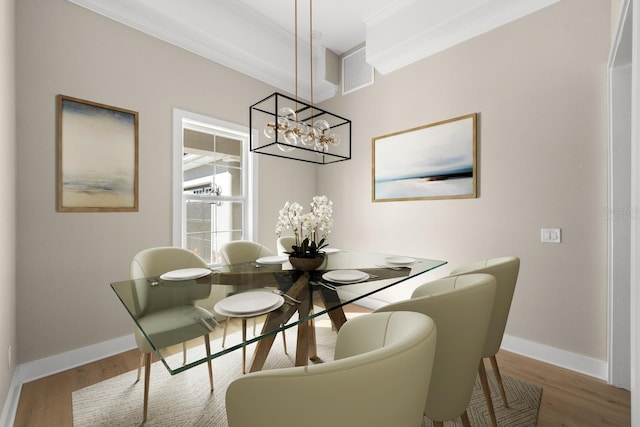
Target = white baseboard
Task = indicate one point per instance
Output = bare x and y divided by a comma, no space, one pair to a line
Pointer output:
544,353
50,365
8,415
555,356
61,362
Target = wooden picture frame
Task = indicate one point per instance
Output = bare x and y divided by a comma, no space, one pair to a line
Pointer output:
434,161
97,157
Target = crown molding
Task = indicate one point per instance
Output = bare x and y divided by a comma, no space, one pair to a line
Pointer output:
417,30
235,36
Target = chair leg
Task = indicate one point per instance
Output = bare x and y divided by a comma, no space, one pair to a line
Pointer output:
224,333
487,393
465,419
284,341
147,377
244,347
496,373
184,353
207,345
140,367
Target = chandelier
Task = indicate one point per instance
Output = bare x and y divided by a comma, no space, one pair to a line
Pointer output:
284,126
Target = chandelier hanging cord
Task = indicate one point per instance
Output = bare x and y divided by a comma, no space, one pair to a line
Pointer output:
311,57
296,49
296,131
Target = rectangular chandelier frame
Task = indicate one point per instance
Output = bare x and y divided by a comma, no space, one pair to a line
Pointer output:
264,114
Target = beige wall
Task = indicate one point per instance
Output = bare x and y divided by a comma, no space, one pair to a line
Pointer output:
7,195
539,86
67,260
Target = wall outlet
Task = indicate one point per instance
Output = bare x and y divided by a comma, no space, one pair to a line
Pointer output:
550,235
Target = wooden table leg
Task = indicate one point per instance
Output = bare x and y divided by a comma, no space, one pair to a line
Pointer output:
273,322
304,332
312,348
331,299
306,341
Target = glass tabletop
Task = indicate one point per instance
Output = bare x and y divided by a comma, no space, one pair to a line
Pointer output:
161,304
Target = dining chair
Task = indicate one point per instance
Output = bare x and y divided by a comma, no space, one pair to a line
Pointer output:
461,309
379,378
505,270
239,252
284,244
169,316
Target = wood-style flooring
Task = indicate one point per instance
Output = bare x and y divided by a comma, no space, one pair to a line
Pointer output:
568,398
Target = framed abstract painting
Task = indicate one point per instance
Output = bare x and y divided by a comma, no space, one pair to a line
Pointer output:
434,161
97,157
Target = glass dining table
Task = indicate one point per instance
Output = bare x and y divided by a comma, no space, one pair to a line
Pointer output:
345,277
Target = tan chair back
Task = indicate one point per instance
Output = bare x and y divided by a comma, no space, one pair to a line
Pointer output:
241,251
284,244
160,306
461,308
505,270
379,378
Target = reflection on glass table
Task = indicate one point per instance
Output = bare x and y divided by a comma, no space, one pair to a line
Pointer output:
345,277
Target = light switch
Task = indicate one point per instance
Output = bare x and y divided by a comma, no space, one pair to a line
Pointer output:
550,235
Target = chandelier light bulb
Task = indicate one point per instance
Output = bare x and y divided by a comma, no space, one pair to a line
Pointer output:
296,132
270,130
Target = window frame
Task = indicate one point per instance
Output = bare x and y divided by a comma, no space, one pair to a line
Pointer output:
187,120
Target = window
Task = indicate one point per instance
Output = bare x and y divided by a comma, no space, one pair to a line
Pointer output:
212,184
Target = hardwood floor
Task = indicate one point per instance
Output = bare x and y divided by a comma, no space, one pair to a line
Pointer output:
568,398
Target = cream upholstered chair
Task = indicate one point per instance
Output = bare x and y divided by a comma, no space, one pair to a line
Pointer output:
379,378
238,252
241,251
461,308
167,314
284,244
505,270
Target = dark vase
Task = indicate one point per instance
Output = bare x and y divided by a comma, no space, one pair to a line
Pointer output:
306,264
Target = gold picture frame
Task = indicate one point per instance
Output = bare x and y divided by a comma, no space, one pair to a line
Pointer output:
434,161
97,157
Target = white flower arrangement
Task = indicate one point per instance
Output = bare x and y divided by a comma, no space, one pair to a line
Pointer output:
310,229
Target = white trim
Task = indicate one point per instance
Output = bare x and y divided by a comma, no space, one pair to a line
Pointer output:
555,356
389,49
41,368
533,350
635,229
8,416
51,365
619,200
37,369
222,128
176,184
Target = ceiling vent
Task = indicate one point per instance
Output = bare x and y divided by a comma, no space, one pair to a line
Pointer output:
356,72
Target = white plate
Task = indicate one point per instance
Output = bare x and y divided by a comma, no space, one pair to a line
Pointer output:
185,274
345,276
400,260
249,302
276,259
330,250
223,312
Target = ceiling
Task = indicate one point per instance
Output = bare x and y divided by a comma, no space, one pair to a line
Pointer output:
255,37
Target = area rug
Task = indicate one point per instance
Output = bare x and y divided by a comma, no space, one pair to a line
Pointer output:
185,400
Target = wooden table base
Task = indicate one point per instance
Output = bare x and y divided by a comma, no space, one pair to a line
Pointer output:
306,340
